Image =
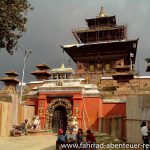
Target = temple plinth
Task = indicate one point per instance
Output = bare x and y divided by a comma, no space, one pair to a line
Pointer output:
123,76
10,81
43,72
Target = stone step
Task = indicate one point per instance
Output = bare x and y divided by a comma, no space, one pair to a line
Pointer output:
38,132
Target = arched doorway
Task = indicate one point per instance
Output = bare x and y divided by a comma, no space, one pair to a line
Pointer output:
59,119
57,110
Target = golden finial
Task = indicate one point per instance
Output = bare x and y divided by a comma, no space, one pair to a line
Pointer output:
102,12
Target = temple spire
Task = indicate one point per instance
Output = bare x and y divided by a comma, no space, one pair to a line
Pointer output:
62,66
102,12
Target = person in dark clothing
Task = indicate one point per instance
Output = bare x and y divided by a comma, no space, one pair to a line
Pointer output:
23,127
79,136
90,138
20,129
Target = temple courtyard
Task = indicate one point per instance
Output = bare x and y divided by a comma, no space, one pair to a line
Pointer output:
40,142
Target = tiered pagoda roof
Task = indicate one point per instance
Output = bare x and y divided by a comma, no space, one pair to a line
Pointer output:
103,39
123,73
10,81
12,73
101,28
104,50
101,20
42,66
42,73
11,78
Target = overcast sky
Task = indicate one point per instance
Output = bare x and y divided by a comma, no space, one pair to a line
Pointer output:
51,22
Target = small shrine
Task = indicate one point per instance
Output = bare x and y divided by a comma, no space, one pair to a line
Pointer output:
10,81
62,98
62,72
43,72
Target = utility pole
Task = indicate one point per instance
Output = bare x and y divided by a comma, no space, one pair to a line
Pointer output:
26,55
138,62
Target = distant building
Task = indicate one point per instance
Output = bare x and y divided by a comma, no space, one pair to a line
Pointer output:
42,73
10,81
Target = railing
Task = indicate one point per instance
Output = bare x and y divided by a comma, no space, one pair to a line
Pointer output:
94,74
97,27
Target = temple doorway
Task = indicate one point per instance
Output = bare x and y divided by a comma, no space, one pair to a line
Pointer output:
58,114
59,119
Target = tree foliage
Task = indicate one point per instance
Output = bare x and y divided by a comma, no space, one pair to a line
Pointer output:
12,22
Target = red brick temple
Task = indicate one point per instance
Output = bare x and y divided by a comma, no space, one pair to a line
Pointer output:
103,50
58,99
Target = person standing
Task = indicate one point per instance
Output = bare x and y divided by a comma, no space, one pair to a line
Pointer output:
144,133
148,126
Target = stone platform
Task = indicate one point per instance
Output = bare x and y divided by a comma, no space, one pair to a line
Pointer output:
38,132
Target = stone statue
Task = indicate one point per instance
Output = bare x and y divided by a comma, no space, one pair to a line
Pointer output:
35,124
74,124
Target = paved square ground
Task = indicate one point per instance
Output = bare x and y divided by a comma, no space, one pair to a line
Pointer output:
40,142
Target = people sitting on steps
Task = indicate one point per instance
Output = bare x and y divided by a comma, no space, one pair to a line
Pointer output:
71,137
79,136
61,139
90,139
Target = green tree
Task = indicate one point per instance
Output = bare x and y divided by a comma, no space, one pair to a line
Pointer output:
12,22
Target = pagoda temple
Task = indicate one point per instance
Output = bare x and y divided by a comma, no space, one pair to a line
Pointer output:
42,73
101,47
10,81
103,51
